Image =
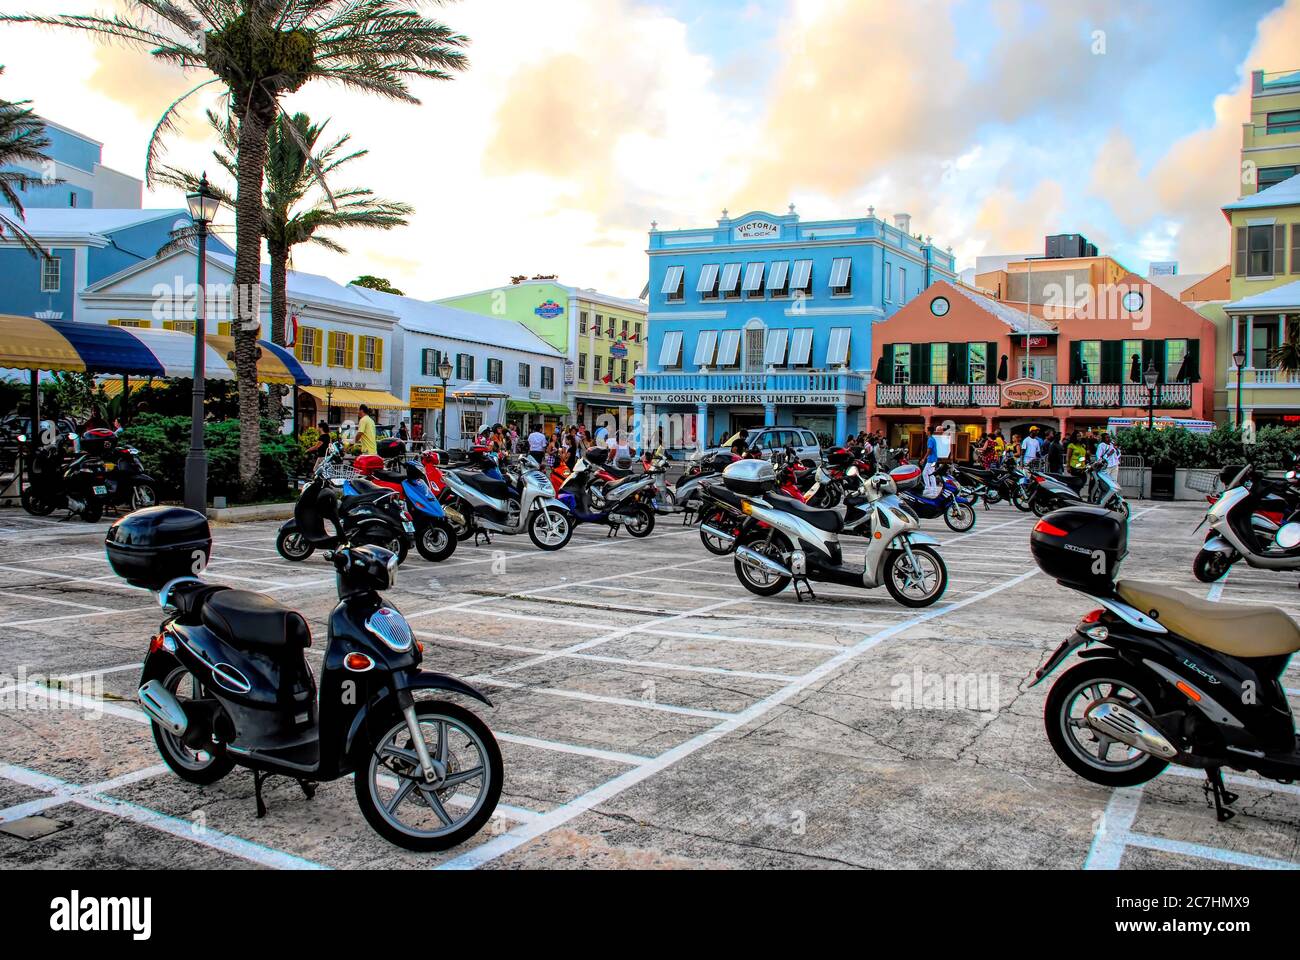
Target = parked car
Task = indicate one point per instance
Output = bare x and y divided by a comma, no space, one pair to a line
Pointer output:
771,440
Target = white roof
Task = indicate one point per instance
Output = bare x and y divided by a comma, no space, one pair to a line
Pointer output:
1279,195
1013,318
310,286
64,221
1285,297
426,316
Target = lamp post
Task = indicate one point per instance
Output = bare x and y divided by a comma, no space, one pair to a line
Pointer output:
1151,378
203,210
329,401
1239,358
444,374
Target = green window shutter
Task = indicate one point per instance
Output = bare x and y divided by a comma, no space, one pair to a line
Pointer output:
1240,259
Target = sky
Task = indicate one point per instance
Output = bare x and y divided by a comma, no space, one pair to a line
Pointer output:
579,122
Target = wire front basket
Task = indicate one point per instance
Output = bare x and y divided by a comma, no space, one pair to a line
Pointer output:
1203,481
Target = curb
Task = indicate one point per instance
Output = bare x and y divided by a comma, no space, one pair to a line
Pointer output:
260,511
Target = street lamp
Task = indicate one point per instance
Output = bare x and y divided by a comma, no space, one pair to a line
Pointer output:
203,206
1239,358
444,374
1151,378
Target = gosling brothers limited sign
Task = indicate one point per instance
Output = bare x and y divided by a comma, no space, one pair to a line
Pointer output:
729,398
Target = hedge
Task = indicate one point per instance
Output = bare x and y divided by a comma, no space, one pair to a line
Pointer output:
1273,447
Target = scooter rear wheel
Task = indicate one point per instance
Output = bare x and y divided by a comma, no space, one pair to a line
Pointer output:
194,766
36,504
718,519
1041,506
292,545
640,521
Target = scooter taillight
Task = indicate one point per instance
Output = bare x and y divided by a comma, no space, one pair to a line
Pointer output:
156,643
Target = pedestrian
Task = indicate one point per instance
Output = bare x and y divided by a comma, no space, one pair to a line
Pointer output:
1032,448
1076,454
933,453
366,431
1054,453
1108,455
537,446
403,432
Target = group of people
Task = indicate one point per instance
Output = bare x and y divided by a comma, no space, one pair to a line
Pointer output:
1052,451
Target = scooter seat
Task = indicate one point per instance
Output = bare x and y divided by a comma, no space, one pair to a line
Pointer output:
1238,631
390,476
248,620
497,489
829,521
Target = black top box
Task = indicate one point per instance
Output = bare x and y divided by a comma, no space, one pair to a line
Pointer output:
1081,547
151,547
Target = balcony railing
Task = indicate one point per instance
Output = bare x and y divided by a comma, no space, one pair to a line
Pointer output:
1098,396
798,381
1261,377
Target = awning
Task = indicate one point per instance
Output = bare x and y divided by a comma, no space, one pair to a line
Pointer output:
521,406
349,397
30,344
112,387
555,409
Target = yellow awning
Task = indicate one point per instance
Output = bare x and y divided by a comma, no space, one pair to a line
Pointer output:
113,387
348,397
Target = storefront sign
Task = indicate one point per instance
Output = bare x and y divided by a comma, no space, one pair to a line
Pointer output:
1037,340
618,389
548,310
733,398
427,398
757,230
618,350
534,395
570,371
1026,391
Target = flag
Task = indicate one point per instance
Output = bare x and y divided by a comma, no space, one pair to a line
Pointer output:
631,382
291,329
606,378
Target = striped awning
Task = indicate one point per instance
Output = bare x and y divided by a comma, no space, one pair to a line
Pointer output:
354,397
30,344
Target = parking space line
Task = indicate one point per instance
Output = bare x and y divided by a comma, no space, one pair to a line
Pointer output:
614,756
601,698
1188,849
64,793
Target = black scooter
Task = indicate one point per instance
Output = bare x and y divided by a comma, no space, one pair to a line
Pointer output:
1171,678
371,515
225,684
79,485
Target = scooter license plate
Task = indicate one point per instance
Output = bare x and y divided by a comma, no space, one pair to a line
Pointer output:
408,526
100,491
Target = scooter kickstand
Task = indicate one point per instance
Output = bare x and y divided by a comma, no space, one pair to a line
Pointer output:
260,778
1223,797
801,587
308,788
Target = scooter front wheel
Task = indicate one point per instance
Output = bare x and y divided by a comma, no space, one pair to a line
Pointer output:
292,545
413,813
1020,500
436,541
550,529
1041,506
959,517
1210,565
917,583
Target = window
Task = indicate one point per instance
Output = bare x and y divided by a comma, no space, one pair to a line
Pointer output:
1259,251
754,279
582,321
51,274
1271,176
72,198
464,366
1295,248
636,332
1175,351
495,370
595,367
471,422
673,288
1090,361
778,279
902,363
308,347
525,375
582,366
977,363
729,348
938,363
707,287
841,279
1283,121
802,281
670,350
774,355
837,352
902,285
183,326
372,354
1132,361
610,330
622,371
801,347
755,338
1264,342
340,351
126,322
705,345
623,329
548,377
429,361
889,283
729,285
598,329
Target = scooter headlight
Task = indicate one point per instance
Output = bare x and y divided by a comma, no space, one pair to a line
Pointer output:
391,627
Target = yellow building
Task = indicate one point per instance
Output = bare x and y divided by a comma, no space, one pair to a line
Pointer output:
1264,304
1270,141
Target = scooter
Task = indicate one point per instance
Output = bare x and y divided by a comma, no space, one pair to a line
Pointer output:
1235,532
371,514
793,542
1052,493
492,504
1173,678
79,485
225,684
435,537
129,484
623,503
951,504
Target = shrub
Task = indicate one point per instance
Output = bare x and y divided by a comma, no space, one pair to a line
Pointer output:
1273,448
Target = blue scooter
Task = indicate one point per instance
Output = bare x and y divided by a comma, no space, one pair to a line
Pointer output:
625,502
957,510
435,537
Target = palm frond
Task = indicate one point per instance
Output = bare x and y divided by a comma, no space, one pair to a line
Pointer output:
131,33
11,227
166,124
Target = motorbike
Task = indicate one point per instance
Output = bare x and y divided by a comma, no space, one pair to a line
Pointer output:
225,683
1236,531
955,507
1172,678
526,502
794,542
627,502
78,485
129,484
1051,492
371,514
435,538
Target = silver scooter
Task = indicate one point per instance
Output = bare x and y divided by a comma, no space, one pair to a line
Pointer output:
786,541
1235,532
491,504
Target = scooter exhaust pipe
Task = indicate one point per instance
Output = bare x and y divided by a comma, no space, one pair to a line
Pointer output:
162,706
454,515
722,535
767,563
1119,721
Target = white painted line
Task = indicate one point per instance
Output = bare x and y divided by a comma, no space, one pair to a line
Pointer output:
1113,830
1234,857
614,756
599,698
65,794
503,844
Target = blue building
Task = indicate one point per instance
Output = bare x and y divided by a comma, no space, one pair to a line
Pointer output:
75,177
766,320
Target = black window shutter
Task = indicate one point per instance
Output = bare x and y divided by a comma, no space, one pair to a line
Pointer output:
1076,362
1193,361
1112,361
888,358
991,362
957,372
927,352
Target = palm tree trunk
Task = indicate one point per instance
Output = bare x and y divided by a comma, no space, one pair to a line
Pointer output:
279,314
248,284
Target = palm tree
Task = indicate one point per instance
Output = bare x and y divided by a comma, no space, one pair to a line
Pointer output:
261,50
295,175
22,142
